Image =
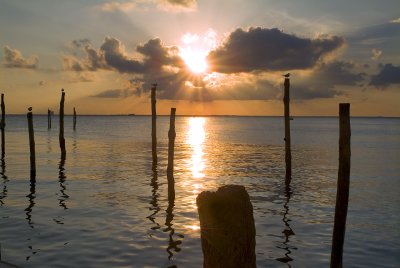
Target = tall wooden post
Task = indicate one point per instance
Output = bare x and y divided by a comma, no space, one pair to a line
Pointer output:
3,126
154,123
227,228
288,153
343,185
31,144
61,135
48,119
74,120
171,145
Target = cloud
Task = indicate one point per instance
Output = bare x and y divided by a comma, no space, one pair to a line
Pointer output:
116,93
156,62
165,5
117,6
323,81
14,59
387,76
395,20
376,53
178,5
261,49
94,58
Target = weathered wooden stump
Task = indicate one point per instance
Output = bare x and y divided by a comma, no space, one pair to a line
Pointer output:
227,228
288,152
74,119
153,123
48,119
3,126
343,185
171,147
61,134
31,144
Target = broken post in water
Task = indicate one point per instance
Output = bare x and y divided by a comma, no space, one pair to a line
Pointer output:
171,145
227,227
153,123
48,119
61,135
342,194
288,153
74,119
31,144
3,126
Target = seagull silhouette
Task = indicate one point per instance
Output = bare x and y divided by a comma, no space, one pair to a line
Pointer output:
286,75
30,109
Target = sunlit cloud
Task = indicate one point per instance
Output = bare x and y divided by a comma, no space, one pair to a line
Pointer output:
376,54
13,59
146,5
395,20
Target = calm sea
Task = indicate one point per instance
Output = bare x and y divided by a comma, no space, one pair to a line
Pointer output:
106,207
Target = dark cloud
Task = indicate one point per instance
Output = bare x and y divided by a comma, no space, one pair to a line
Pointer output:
14,59
80,43
387,76
324,80
260,49
114,55
116,93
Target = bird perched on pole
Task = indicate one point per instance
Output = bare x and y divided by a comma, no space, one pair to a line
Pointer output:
286,75
30,109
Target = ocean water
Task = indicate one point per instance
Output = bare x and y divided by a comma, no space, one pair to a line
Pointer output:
105,206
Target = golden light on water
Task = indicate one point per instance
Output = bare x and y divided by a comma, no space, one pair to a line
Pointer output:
195,138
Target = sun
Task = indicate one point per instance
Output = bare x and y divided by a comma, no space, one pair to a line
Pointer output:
195,59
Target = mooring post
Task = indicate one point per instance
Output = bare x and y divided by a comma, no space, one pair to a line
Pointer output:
288,153
171,145
153,123
343,185
31,144
3,126
74,120
61,135
48,119
227,227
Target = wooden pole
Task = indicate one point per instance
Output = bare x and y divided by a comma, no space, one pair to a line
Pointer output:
288,153
227,227
74,119
343,185
61,135
48,119
3,126
31,144
171,145
153,123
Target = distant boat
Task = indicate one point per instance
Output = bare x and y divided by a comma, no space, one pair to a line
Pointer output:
291,118
131,114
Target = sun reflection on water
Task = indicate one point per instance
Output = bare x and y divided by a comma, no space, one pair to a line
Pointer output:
195,164
195,138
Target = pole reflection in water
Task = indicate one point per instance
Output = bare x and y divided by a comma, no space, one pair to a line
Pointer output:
288,231
3,194
173,245
154,207
31,197
61,178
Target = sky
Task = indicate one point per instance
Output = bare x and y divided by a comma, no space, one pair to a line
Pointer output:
208,57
